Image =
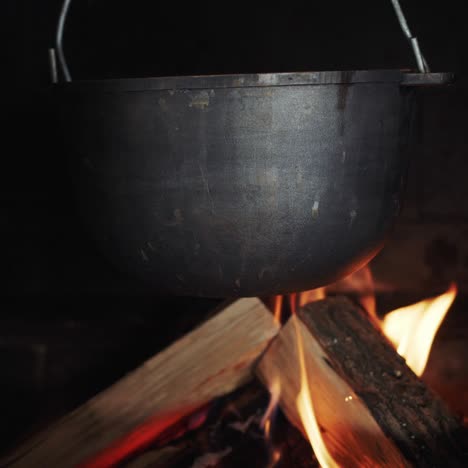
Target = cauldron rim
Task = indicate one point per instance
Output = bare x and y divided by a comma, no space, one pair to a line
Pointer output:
306,78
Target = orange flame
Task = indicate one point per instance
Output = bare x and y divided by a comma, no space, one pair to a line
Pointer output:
305,408
293,303
305,297
265,423
277,308
313,295
412,329
275,392
359,281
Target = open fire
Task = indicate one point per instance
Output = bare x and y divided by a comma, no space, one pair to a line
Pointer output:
211,397
410,329
305,407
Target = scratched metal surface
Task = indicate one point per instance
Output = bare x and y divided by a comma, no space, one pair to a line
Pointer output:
239,191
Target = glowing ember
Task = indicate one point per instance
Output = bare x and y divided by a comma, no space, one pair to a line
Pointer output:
144,435
412,329
276,457
305,409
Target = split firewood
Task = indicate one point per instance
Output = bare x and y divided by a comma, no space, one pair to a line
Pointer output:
212,360
372,410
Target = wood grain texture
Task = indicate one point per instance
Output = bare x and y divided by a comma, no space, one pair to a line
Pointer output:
211,361
412,416
351,434
372,409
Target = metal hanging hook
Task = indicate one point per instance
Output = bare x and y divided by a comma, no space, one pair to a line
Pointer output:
420,60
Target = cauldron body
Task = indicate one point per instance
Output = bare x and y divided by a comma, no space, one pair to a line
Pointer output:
242,184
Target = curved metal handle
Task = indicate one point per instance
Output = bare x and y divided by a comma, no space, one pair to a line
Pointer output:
58,40
420,60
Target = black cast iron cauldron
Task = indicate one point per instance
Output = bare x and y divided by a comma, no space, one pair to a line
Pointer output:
241,184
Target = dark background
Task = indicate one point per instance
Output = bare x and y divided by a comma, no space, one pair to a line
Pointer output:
46,251
70,324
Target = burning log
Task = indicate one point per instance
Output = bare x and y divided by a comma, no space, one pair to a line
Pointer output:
211,361
233,436
231,425
371,409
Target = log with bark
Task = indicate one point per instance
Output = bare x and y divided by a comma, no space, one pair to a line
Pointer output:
211,361
371,408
